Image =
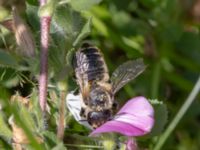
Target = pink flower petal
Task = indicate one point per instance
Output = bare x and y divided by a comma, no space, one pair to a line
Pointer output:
119,127
144,123
134,119
138,106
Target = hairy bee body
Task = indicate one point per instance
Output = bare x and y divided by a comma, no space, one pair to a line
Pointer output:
93,79
97,89
90,66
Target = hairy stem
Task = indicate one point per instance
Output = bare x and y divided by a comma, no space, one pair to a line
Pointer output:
45,22
44,40
179,115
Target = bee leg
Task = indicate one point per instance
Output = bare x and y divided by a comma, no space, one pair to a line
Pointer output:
115,106
82,112
76,91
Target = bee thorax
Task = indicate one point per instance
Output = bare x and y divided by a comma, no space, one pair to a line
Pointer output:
100,99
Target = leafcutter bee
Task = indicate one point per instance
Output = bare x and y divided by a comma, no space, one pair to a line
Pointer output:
97,89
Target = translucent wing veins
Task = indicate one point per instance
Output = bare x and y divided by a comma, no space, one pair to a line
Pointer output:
125,73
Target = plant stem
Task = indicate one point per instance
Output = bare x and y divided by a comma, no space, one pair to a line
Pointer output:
85,146
179,115
61,122
44,25
45,22
155,80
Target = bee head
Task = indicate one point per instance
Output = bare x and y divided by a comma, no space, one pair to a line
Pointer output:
97,118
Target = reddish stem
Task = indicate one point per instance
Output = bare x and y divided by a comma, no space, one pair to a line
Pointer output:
45,23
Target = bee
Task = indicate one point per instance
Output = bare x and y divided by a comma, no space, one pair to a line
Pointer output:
97,89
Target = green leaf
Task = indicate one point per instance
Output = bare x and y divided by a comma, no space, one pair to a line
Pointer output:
33,2
189,42
84,32
60,146
7,60
82,5
100,26
9,77
179,81
67,23
32,16
26,115
160,115
36,111
183,61
5,131
51,139
47,10
70,56
68,27
3,13
20,121
136,43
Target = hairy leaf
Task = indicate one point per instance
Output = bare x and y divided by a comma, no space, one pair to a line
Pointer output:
67,23
5,131
161,116
84,32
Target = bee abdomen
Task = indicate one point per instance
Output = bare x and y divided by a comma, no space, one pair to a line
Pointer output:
90,65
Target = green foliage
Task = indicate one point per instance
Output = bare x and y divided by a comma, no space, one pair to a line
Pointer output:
32,17
48,9
161,116
80,5
32,2
67,23
164,32
84,32
60,146
9,77
7,60
5,131
27,118
52,141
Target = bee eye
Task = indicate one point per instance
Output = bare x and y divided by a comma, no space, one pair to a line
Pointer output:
115,105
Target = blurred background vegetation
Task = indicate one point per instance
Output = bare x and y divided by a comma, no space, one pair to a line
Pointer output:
165,33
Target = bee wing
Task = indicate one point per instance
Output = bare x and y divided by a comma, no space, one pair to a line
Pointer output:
126,72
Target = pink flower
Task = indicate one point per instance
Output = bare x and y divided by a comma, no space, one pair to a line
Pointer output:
135,118
131,144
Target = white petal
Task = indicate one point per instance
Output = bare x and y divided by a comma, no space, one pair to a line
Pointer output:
74,105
